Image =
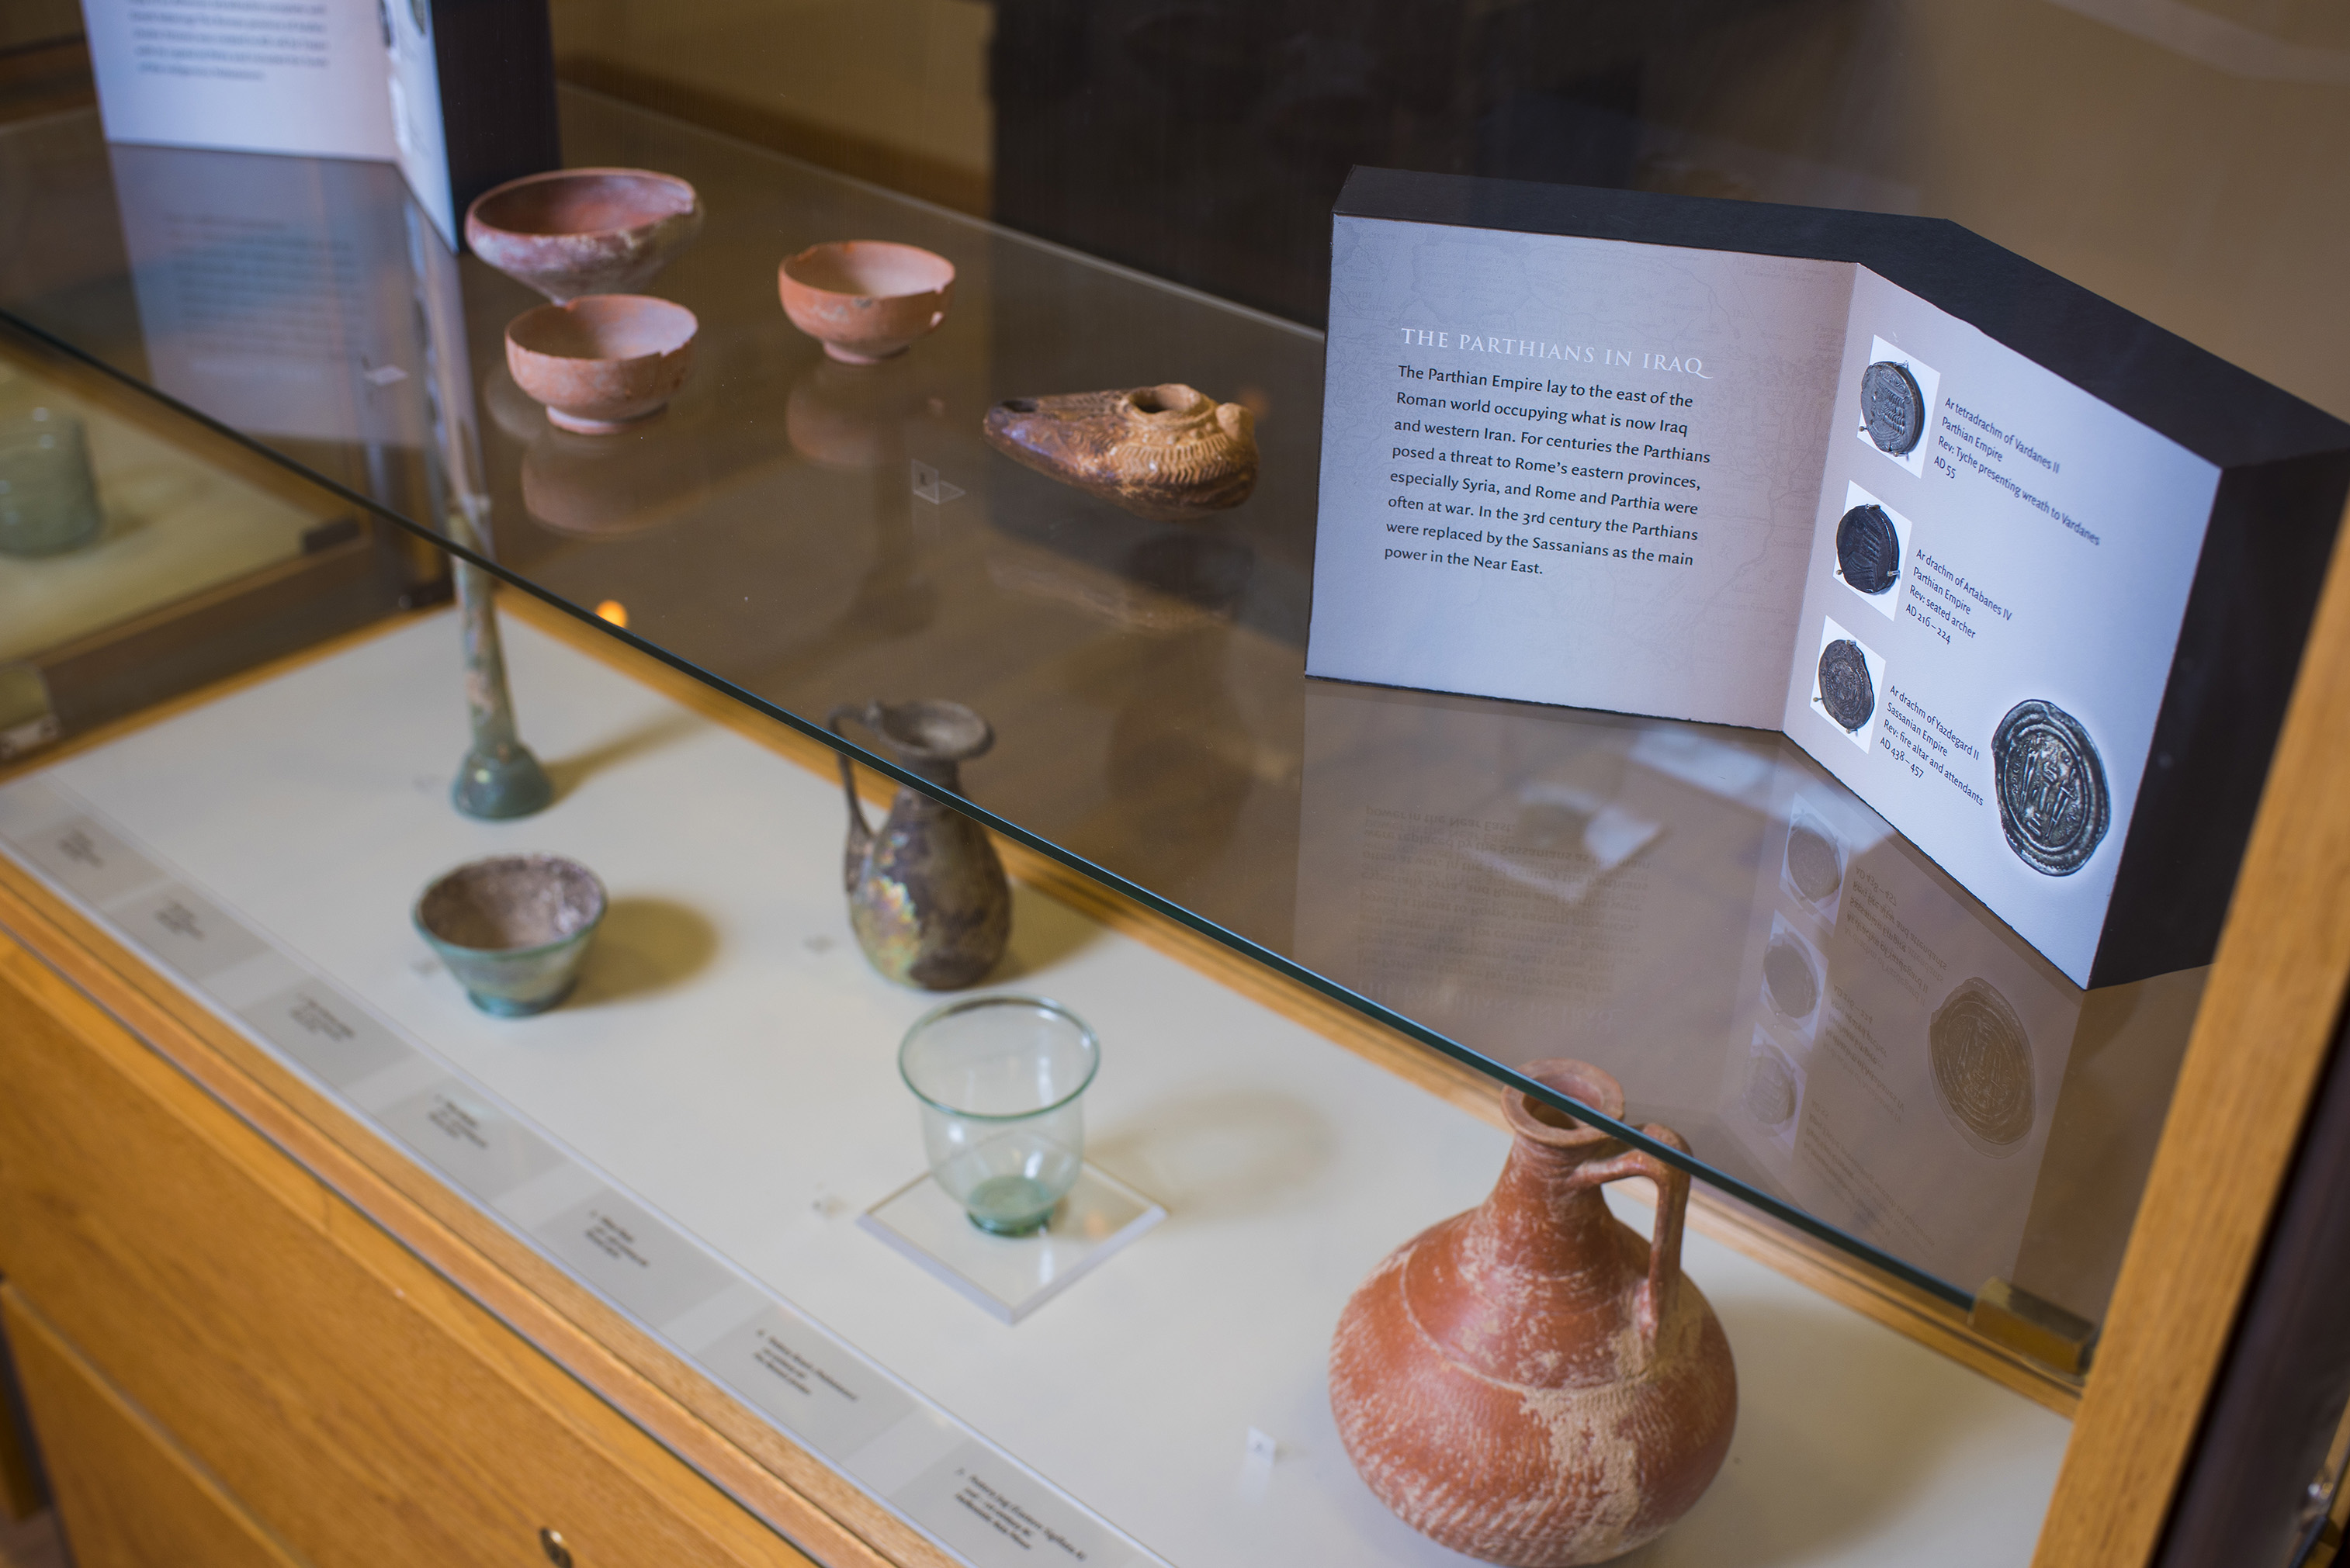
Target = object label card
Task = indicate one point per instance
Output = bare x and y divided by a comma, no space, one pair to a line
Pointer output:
1763,490
327,1032
831,1400
994,1515
637,1259
187,932
486,1152
88,860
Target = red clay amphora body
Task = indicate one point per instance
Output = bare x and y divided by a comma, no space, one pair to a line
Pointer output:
1529,1383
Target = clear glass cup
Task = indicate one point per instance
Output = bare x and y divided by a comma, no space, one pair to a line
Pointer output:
1002,1080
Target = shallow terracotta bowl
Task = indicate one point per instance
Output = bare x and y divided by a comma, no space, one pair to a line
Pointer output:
604,361
866,300
574,232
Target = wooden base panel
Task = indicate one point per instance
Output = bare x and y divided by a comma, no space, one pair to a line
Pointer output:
129,1495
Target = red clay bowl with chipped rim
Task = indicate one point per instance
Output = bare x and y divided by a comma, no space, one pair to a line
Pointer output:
602,362
866,300
574,232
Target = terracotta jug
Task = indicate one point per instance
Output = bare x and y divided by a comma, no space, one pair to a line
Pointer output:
1530,1383
927,893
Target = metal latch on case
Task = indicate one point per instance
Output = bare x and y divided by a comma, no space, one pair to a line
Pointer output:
2017,1320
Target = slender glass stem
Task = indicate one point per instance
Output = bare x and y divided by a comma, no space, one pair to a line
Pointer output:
499,777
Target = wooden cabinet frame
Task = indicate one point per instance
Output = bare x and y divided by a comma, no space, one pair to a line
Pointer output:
2269,1017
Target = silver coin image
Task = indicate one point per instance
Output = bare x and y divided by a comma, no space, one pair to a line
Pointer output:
1789,980
2051,785
1982,1061
1868,550
1845,690
1770,1089
1892,407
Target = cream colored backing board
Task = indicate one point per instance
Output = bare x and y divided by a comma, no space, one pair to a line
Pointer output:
694,1133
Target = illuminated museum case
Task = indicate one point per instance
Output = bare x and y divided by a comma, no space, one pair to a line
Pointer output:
673,1260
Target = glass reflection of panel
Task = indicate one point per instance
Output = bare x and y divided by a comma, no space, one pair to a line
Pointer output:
269,290
1766,966
167,526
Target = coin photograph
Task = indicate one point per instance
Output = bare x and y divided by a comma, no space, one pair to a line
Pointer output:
2054,803
1772,1094
1849,683
1795,979
1872,551
1812,866
1981,1059
1897,405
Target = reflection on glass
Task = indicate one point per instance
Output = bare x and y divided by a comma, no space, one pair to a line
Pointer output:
272,292
852,416
1709,917
1526,882
110,520
48,496
608,486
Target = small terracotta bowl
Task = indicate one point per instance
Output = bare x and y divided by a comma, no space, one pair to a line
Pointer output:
577,232
866,300
603,361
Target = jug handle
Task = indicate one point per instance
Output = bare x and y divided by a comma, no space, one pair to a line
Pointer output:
860,831
1659,1292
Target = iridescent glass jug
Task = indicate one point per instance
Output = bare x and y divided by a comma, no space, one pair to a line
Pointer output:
927,893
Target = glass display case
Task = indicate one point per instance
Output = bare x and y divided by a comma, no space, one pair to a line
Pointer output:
142,555
1873,1076
1672,902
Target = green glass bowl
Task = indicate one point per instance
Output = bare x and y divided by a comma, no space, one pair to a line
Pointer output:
513,928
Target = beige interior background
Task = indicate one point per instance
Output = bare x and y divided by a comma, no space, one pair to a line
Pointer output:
2185,158
890,90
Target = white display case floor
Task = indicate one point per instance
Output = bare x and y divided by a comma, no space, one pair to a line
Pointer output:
697,1131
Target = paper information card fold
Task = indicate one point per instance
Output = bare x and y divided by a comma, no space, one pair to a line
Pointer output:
2026,572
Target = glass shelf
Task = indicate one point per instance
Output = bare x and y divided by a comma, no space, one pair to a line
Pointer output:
1702,911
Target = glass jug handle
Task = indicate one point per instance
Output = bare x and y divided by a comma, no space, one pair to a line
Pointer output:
860,831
